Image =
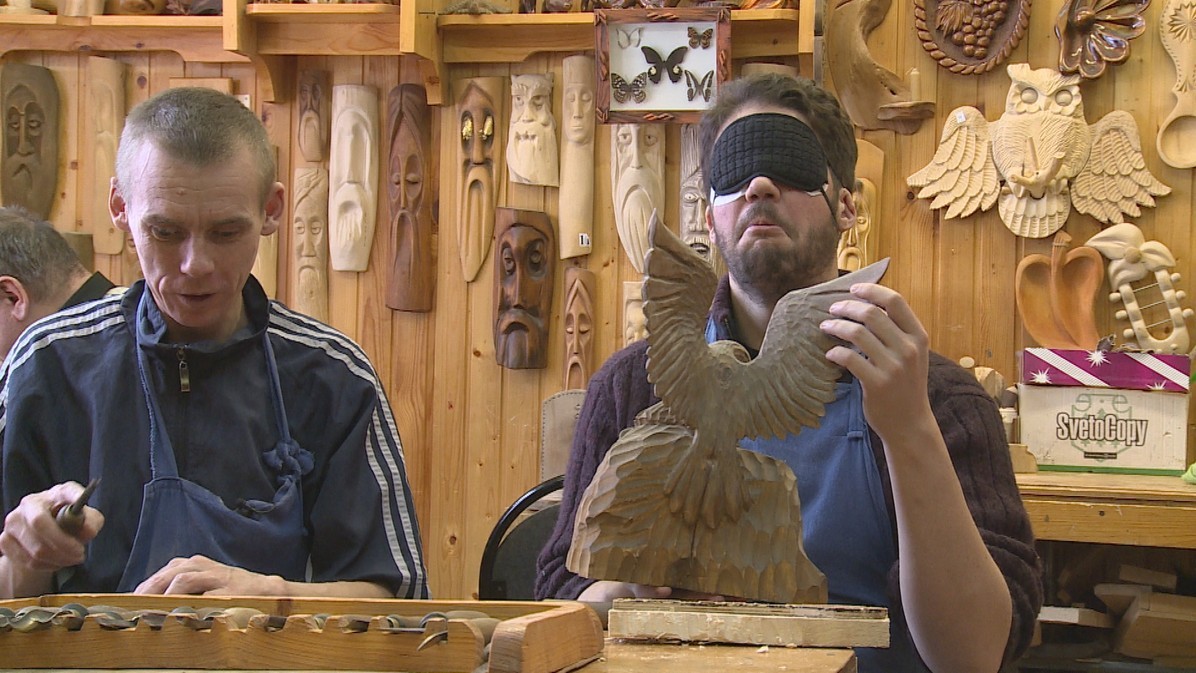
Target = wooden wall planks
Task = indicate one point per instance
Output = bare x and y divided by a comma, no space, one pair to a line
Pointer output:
470,428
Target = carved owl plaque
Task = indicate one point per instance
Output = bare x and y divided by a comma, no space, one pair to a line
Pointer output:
1039,159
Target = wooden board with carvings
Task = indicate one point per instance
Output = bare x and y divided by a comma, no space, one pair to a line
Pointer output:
529,637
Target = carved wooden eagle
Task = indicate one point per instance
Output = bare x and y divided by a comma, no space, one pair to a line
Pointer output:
676,502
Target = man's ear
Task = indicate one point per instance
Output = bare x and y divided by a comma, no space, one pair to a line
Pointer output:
276,206
847,210
117,208
14,299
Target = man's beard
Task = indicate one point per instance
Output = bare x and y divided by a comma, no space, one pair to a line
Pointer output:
766,272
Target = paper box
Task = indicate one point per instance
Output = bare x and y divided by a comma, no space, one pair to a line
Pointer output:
1105,412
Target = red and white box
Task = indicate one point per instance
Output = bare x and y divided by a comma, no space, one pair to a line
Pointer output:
1098,411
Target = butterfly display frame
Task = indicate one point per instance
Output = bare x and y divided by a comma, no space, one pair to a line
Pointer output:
660,65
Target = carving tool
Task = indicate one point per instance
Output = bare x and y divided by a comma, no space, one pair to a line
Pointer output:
70,518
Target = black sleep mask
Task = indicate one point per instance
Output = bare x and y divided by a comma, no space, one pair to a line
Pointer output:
777,146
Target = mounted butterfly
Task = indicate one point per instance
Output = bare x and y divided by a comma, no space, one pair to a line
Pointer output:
662,65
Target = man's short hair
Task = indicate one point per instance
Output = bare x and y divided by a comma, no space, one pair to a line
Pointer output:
33,252
198,126
820,109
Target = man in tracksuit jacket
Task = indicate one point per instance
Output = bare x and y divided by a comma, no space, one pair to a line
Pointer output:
240,447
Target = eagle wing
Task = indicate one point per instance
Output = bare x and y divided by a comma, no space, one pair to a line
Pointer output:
678,288
962,175
789,384
1115,181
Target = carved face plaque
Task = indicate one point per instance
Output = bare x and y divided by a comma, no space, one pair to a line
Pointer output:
693,201
637,177
579,326
412,277
531,144
576,197
353,175
29,169
313,114
524,264
476,130
311,242
635,325
106,93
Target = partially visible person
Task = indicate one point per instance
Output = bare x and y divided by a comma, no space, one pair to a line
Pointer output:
242,448
39,274
908,498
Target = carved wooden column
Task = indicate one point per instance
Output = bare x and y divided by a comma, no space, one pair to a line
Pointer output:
576,197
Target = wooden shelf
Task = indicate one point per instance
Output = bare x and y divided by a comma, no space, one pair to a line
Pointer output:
511,38
194,38
1139,510
326,30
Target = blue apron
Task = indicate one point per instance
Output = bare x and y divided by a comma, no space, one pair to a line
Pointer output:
845,520
180,518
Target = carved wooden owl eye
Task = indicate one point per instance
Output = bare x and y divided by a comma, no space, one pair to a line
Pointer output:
1063,98
1029,96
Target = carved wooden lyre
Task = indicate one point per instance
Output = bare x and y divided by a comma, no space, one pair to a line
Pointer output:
1177,29
353,176
579,326
106,97
412,282
1133,259
1056,295
872,96
315,93
478,127
29,160
576,196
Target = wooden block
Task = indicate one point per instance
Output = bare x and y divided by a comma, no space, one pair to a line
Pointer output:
1118,597
1023,460
750,623
1154,578
1053,614
221,84
1158,625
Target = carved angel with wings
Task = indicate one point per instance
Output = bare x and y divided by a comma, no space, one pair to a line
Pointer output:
721,504
1039,159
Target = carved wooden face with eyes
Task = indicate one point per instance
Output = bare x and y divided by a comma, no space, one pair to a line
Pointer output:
412,274
29,165
476,130
525,261
313,115
578,103
310,229
579,326
531,143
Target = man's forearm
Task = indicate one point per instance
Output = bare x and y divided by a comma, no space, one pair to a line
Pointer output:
337,590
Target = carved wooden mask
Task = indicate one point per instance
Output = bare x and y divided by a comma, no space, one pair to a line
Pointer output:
310,209
314,92
524,266
531,142
106,96
694,201
637,182
413,271
478,125
29,165
635,325
579,326
576,197
353,176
